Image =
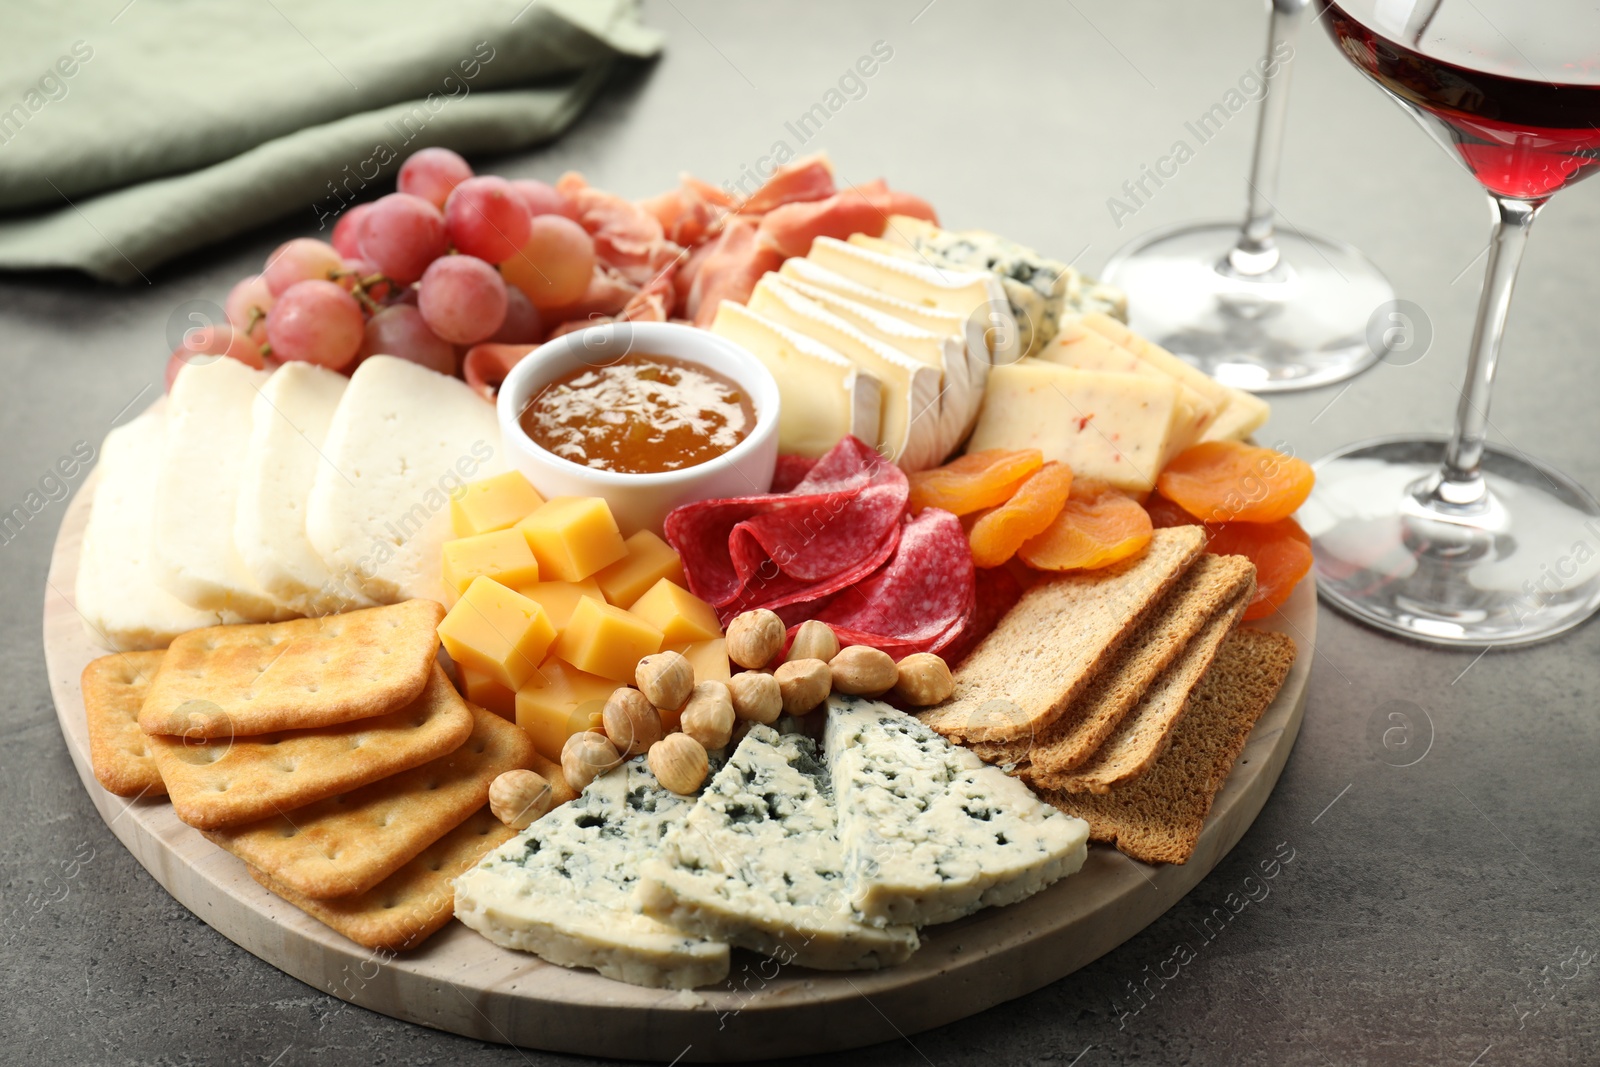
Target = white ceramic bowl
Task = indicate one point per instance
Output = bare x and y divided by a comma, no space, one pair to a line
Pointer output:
641,501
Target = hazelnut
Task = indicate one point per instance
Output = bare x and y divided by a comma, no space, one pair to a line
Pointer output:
803,684
517,798
814,640
632,723
755,638
666,678
585,757
861,670
679,763
756,696
708,717
923,680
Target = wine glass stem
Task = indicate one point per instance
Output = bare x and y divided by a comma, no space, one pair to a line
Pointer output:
1461,482
1257,252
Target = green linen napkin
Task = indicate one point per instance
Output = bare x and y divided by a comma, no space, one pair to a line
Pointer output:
141,129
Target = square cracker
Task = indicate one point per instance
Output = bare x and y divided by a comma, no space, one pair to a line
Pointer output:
347,844
114,689
413,903
1062,633
1158,816
241,779
239,681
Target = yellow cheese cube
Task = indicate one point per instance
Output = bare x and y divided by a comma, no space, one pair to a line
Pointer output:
572,537
710,662
482,690
681,616
560,701
493,504
649,560
559,598
503,555
605,640
497,631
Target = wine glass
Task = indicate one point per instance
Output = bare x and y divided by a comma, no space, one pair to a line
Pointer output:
1490,547
1254,307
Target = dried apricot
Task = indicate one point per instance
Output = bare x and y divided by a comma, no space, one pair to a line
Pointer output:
996,537
1229,481
1164,513
975,481
1280,550
1098,526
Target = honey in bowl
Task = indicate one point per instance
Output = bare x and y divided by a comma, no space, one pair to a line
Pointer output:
642,414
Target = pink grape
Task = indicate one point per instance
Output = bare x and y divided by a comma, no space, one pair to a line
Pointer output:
299,260
346,236
399,331
462,299
248,293
486,218
432,173
401,235
556,263
542,199
354,270
316,322
523,323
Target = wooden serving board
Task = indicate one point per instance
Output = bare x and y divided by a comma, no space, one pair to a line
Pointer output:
460,982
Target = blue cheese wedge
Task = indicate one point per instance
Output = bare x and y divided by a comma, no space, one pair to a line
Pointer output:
758,864
563,889
931,832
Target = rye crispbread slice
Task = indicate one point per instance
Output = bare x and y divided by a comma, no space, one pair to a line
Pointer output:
240,779
114,689
1158,816
1046,650
1211,585
347,844
1147,730
240,681
413,903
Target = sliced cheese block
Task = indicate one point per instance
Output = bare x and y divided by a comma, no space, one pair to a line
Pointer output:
757,863
289,429
911,391
1238,413
1114,427
976,296
123,607
197,492
931,832
1077,346
824,396
564,888
401,441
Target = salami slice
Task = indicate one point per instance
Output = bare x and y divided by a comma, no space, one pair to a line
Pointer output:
925,588
997,593
796,601
790,472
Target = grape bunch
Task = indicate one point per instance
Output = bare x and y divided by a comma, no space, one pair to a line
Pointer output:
449,260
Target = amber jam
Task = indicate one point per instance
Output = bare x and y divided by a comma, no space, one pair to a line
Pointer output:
643,414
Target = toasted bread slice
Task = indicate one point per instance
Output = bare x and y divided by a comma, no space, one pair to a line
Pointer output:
1049,648
1157,817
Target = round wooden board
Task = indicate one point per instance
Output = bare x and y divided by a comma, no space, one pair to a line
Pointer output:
460,982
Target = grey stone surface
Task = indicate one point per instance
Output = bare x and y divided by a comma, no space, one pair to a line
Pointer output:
1434,913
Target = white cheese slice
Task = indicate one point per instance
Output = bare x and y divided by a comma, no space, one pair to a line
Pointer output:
289,430
911,391
1113,427
401,441
930,831
758,864
564,888
197,492
976,296
122,605
823,395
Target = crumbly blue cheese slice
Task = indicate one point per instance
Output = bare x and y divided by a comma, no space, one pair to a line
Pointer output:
930,831
563,889
758,864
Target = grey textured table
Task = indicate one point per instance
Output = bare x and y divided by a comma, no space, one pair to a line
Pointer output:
1442,912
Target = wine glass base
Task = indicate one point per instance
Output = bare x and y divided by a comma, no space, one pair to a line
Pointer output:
1526,569
1305,323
